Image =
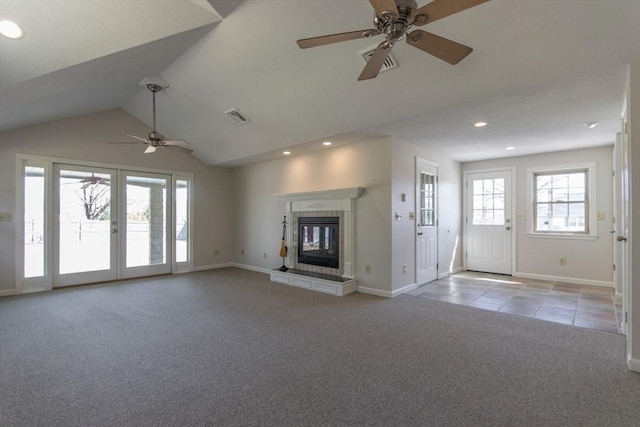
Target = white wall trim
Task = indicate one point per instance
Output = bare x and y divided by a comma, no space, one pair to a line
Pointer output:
450,272
251,268
633,365
572,280
374,291
404,289
213,266
7,292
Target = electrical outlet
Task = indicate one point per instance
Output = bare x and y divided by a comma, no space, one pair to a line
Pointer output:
216,252
6,217
367,269
563,261
412,216
600,216
404,269
521,217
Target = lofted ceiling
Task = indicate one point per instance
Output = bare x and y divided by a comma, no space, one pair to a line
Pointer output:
539,71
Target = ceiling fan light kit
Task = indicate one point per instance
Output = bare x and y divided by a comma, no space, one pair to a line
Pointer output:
394,19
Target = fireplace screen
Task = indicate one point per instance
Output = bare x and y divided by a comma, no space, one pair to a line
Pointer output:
319,241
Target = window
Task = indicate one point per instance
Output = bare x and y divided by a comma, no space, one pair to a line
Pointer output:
563,200
488,201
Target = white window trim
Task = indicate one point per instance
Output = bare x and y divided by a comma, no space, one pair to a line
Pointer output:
590,167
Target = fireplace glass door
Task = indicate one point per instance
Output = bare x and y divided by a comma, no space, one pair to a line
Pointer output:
319,241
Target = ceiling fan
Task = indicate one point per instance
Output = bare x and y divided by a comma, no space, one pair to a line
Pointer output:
154,139
394,19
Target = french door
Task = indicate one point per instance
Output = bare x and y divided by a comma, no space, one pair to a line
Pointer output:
109,224
489,242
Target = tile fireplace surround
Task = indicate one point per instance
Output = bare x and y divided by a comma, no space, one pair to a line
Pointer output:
337,202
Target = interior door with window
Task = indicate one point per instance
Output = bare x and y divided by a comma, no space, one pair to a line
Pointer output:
488,222
86,225
427,222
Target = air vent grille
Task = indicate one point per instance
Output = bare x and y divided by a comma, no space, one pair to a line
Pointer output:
237,116
389,63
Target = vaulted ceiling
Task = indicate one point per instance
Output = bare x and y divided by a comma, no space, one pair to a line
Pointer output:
539,71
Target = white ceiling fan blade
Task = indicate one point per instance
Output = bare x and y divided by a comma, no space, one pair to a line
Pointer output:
175,142
138,138
188,150
150,149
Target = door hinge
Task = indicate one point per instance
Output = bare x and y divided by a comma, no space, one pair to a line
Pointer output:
437,222
466,254
437,266
613,173
614,267
625,128
466,184
626,317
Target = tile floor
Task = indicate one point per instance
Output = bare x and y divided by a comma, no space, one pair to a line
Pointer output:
583,306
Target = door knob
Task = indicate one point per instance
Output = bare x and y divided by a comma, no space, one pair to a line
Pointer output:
508,228
113,230
419,233
621,238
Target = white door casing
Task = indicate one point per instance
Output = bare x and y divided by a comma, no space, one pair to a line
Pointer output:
427,221
489,226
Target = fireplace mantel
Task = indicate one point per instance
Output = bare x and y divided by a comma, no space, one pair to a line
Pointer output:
335,194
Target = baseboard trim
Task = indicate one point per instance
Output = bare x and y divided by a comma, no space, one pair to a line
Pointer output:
634,365
374,291
7,292
404,289
572,280
252,268
449,273
212,266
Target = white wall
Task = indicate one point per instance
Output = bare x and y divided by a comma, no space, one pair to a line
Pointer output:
386,168
449,206
85,138
259,213
588,261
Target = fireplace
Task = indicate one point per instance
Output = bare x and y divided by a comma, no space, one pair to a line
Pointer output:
319,241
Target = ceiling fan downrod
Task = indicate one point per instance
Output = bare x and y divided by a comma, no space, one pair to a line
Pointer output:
154,136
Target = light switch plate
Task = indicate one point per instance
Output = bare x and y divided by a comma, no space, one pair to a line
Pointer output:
600,216
6,217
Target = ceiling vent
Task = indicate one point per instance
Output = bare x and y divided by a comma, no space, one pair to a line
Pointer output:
389,63
237,116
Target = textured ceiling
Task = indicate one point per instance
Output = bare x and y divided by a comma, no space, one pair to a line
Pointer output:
540,70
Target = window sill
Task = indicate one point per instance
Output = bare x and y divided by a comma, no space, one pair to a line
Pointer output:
564,236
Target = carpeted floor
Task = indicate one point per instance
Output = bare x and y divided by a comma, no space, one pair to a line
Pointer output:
228,347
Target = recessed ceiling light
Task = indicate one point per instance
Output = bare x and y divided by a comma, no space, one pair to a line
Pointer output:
286,153
327,143
591,125
509,148
480,124
11,30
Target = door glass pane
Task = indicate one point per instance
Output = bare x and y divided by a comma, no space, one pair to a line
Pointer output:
488,201
182,217
85,233
427,200
146,220
33,221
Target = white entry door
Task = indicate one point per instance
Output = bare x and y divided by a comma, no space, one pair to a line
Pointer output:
623,212
488,222
427,221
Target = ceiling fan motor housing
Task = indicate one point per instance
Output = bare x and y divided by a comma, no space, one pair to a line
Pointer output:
395,27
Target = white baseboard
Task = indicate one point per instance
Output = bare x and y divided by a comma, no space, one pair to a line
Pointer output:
252,268
634,365
374,291
572,280
404,289
7,292
213,266
449,273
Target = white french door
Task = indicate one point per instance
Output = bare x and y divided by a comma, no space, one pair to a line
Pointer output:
110,224
427,221
488,240
85,225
